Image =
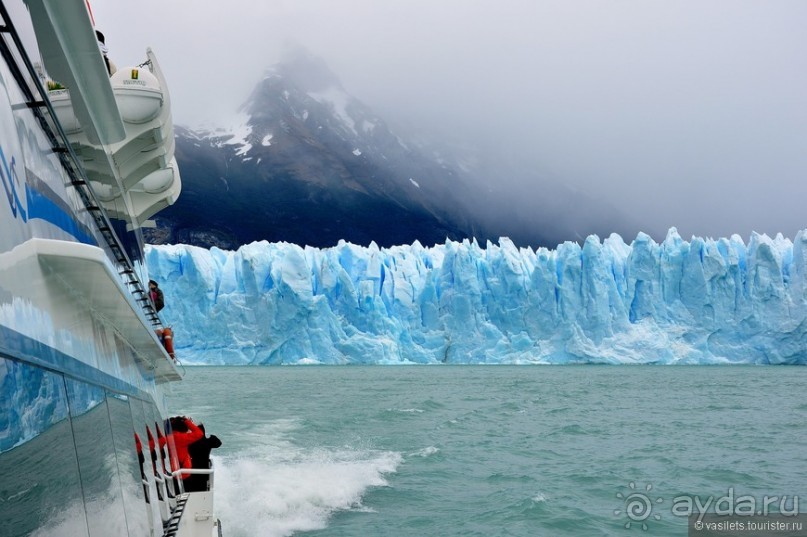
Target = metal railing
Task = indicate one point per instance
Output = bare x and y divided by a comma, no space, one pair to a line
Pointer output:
194,471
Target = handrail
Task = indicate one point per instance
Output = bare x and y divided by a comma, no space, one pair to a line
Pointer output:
71,163
191,471
160,480
194,471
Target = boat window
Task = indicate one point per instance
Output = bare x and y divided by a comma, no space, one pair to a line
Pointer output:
97,460
170,450
163,461
140,421
40,490
120,416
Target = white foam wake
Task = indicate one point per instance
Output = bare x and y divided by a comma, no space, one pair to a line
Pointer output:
277,494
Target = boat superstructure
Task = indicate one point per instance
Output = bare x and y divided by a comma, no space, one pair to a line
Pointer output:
85,160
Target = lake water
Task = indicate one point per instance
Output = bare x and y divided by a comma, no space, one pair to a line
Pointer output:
494,450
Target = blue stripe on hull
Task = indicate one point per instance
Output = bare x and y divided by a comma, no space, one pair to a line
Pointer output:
40,206
17,346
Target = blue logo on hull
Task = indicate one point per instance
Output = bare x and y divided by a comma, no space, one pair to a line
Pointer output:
11,180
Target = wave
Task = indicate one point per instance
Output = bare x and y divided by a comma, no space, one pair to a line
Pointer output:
275,494
425,452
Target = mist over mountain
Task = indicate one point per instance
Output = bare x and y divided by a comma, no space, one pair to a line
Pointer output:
309,164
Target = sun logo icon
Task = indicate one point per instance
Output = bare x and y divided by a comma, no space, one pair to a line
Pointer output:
638,506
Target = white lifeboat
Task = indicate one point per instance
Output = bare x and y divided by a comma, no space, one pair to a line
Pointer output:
138,94
136,176
60,99
158,181
156,191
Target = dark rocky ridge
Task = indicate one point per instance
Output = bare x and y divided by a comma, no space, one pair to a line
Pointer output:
318,166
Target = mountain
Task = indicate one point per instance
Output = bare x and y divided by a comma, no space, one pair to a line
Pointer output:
699,302
309,164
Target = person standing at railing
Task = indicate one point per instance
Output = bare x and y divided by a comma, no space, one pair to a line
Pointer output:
110,67
156,295
200,460
183,433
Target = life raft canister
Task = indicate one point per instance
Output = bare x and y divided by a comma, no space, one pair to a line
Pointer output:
168,342
138,94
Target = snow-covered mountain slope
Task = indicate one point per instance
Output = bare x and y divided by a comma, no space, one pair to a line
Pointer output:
702,301
305,162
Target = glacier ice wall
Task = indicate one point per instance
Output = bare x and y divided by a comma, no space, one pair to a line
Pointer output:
703,301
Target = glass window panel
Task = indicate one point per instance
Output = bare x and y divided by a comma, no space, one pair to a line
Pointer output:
97,460
140,422
40,490
154,472
163,464
120,416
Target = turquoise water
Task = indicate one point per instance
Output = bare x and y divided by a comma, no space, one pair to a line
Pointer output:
493,450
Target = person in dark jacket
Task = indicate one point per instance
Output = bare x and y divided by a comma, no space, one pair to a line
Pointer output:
110,67
200,459
156,295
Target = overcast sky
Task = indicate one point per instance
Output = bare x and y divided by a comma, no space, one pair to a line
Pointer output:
686,113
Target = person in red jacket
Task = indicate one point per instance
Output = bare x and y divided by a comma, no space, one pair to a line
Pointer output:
183,433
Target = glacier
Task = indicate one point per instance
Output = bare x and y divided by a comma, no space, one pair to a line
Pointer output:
701,301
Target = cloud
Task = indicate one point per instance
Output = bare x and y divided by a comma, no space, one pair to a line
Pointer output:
684,113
